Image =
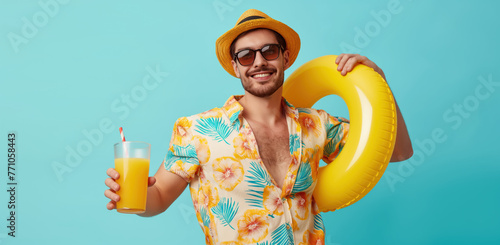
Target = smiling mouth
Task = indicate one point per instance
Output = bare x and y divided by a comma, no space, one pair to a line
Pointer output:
262,75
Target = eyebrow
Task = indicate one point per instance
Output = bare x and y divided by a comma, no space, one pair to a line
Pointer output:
245,48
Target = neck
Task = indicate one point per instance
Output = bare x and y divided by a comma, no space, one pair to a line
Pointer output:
265,110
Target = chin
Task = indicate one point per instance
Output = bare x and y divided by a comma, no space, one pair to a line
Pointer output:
264,92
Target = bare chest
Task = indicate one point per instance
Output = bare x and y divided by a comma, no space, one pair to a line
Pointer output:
274,151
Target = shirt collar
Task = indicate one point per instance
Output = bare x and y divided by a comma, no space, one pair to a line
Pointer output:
233,109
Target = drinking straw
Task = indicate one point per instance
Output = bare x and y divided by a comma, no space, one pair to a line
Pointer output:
121,133
125,152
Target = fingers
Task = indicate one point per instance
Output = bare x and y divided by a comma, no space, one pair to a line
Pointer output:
112,184
341,60
349,66
339,57
151,181
346,62
111,195
113,187
111,172
111,205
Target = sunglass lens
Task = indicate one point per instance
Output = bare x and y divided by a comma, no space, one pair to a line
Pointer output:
270,52
246,57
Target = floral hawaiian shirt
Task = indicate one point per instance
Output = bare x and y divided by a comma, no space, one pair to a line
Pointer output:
235,198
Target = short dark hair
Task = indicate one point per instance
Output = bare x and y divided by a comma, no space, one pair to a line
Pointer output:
281,40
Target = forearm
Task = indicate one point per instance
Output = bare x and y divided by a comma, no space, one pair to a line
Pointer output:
167,188
403,149
154,204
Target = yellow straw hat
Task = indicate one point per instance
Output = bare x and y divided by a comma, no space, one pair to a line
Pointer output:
249,20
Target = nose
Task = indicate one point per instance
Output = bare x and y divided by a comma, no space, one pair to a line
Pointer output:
259,60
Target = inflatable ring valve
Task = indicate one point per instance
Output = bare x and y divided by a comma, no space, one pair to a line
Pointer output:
372,133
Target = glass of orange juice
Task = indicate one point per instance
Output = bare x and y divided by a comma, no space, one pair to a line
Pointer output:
132,163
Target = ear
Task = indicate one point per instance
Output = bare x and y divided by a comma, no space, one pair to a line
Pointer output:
286,59
236,69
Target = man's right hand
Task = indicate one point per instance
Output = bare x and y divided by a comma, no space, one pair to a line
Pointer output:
114,187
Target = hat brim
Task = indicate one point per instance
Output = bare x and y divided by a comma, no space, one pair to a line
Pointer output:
223,43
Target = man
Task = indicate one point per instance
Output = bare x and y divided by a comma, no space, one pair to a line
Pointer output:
252,164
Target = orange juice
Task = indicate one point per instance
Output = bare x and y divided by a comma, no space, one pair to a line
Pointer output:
133,183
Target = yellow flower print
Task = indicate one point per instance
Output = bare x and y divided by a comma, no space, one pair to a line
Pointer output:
231,243
194,197
228,172
272,200
317,154
298,128
313,157
202,177
208,195
302,205
295,226
213,230
235,107
216,112
185,171
295,158
307,153
202,149
249,136
317,237
181,130
290,114
310,123
253,226
198,217
209,238
288,183
243,149
305,238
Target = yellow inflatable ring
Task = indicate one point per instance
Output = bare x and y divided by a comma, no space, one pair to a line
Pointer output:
372,133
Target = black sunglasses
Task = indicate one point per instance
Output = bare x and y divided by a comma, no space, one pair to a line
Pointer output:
247,56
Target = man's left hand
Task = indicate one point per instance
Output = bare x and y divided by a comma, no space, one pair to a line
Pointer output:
346,62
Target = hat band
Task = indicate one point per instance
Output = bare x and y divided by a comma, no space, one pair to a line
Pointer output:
253,17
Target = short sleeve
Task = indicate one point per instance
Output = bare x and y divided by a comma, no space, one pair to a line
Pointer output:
337,129
181,158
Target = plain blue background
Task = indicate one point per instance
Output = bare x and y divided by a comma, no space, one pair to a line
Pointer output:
66,65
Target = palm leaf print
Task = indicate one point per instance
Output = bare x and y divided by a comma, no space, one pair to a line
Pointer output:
330,148
234,118
304,110
304,178
170,159
288,103
318,222
295,143
262,243
258,179
225,211
283,235
214,128
187,151
257,200
333,130
184,153
205,217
